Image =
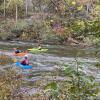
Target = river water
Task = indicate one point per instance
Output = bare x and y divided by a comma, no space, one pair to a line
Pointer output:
54,59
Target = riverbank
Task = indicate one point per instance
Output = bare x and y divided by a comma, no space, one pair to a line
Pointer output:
68,43
29,30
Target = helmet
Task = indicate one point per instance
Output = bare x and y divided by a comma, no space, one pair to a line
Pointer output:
26,56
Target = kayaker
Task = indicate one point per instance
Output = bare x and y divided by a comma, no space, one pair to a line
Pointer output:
39,47
25,60
16,50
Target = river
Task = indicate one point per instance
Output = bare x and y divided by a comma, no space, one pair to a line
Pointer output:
55,58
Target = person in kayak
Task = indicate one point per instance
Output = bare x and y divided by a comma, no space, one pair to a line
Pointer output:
25,60
39,47
16,50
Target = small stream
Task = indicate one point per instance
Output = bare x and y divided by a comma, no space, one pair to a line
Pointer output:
56,56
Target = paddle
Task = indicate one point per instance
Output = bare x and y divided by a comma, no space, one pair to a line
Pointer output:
14,60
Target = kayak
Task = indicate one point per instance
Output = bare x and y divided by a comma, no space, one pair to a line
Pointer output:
36,50
18,64
20,54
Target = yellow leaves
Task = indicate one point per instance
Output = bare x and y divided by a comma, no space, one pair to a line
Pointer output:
97,10
51,21
80,24
97,7
73,3
80,7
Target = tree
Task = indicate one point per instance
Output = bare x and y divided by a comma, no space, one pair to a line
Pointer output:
15,4
4,9
26,6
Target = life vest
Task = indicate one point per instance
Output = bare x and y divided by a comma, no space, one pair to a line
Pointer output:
25,62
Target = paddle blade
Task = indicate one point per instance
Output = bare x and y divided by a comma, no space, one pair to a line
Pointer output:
14,60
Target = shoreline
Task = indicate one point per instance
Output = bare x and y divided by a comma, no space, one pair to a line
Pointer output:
31,43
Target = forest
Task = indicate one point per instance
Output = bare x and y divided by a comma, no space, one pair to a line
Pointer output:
49,49
50,21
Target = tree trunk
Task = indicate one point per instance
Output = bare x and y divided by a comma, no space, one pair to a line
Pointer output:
4,9
16,13
26,7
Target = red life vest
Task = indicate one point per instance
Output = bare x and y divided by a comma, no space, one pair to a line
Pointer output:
25,61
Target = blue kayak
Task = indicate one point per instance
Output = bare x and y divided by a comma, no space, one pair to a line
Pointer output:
18,64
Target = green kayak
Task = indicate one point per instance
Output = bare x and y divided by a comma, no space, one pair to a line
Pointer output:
36,50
